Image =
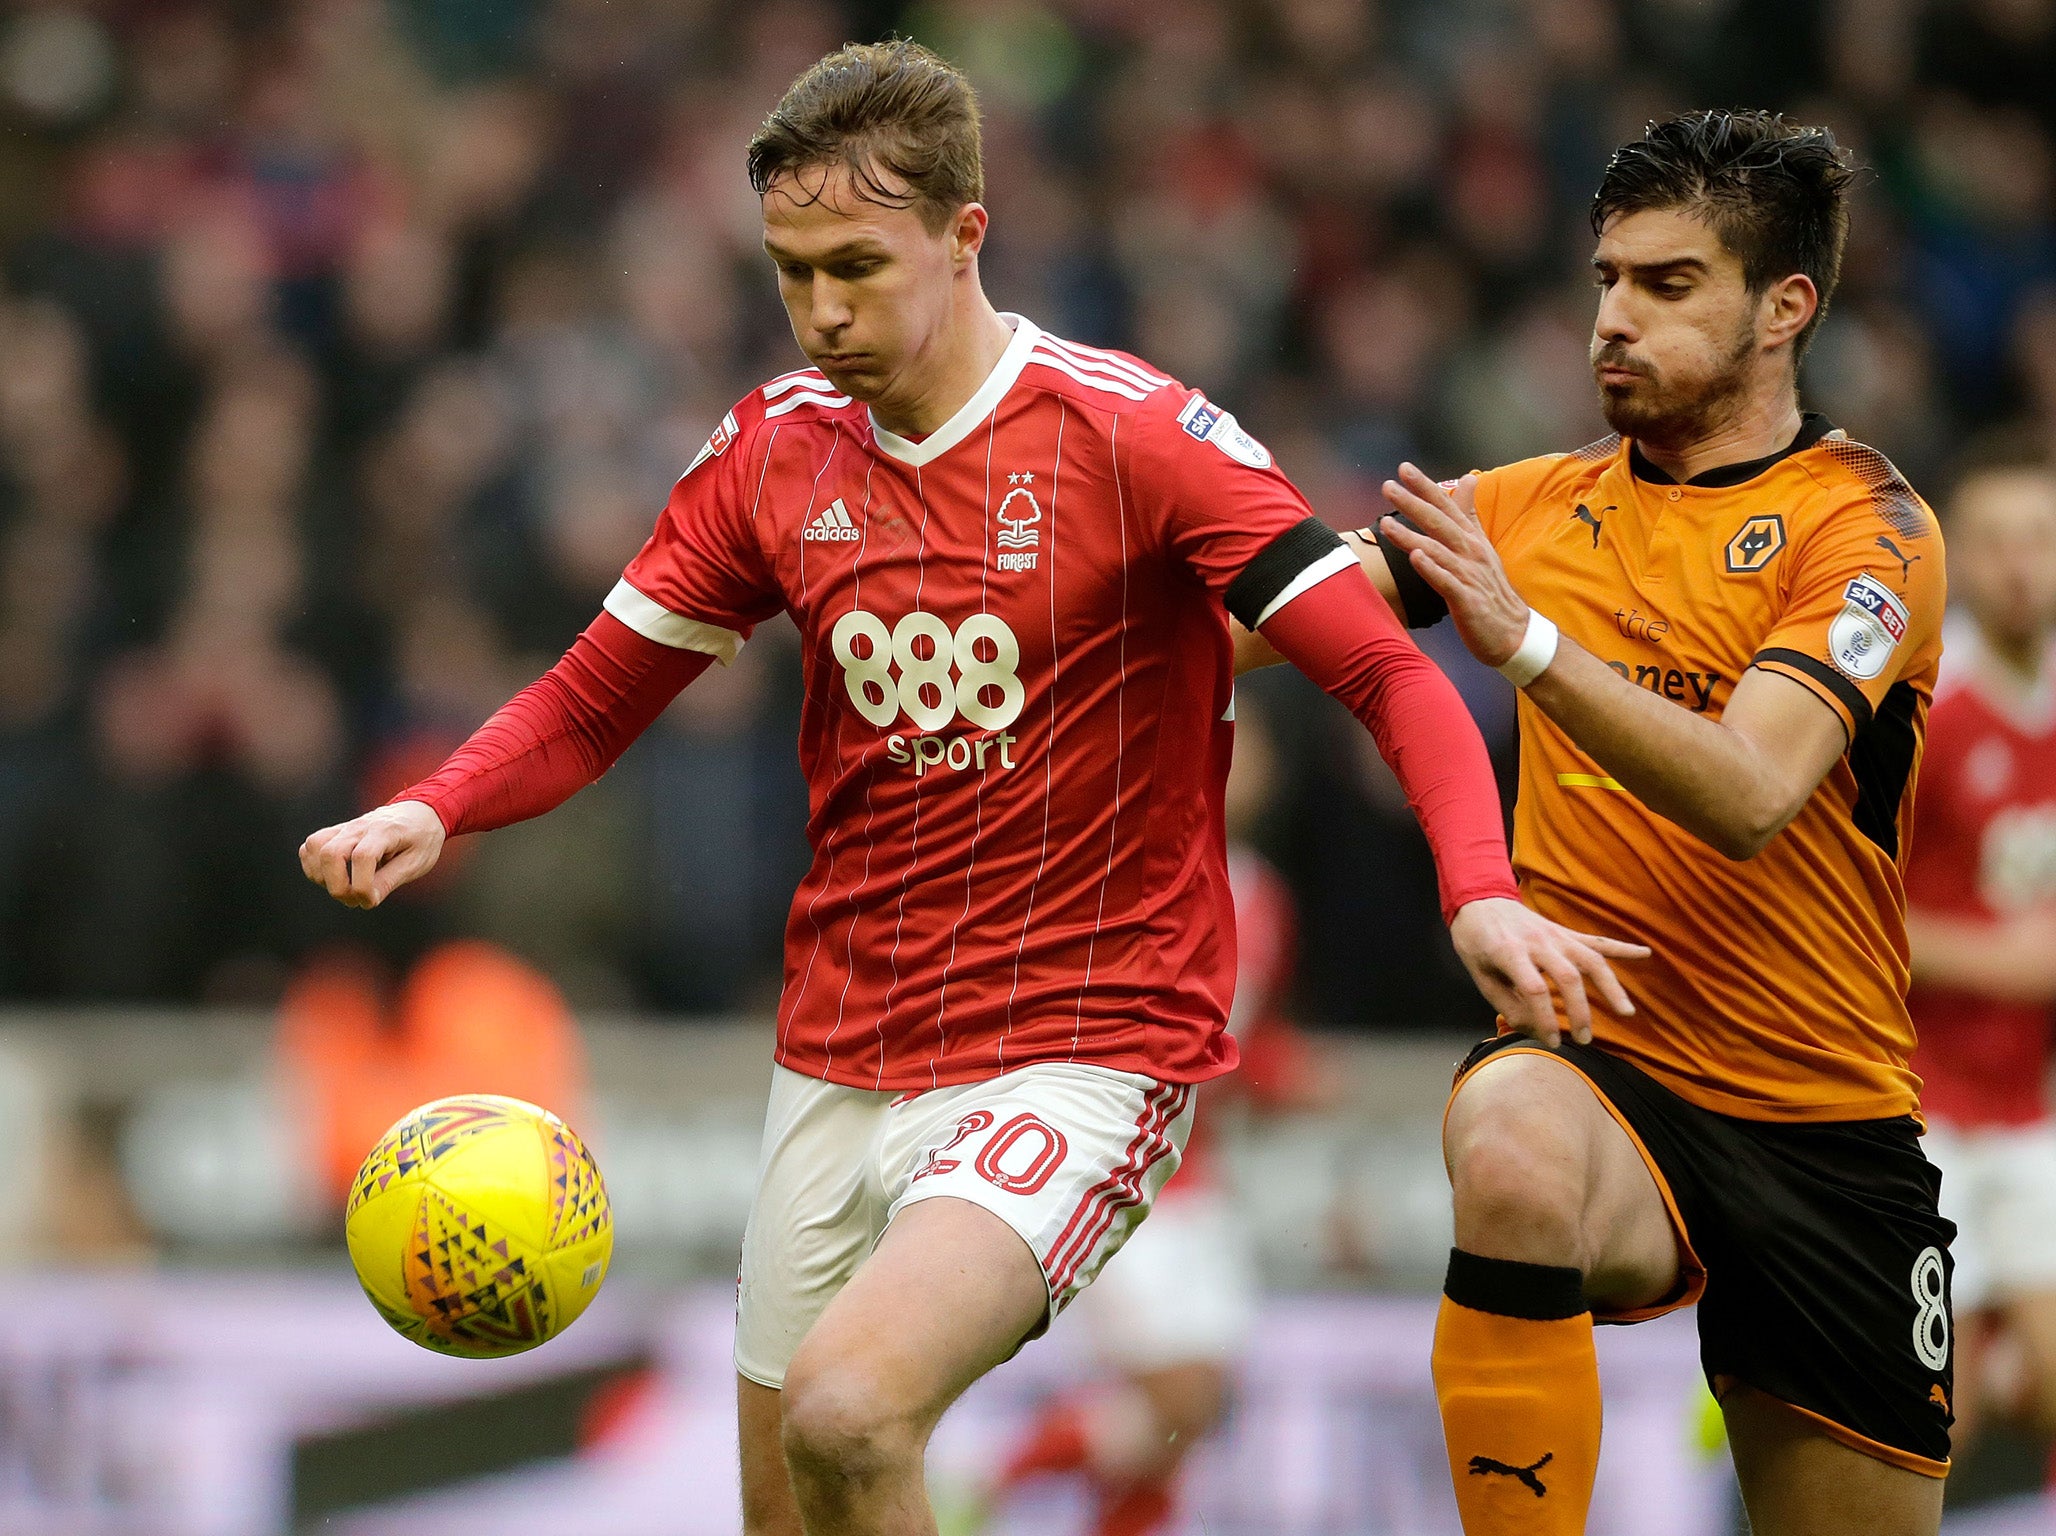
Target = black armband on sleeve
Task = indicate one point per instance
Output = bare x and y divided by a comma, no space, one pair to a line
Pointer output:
1297,558
1421,603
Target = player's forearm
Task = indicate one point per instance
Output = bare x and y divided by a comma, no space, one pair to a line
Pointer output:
561,732
2007,961
1342,637
1709,779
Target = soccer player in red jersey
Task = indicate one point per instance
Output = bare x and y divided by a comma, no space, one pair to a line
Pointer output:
1011,559
1981,895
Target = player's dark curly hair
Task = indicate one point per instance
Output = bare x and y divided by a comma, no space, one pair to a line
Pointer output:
891,107
1776,193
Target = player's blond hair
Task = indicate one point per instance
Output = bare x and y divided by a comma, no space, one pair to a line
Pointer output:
889,112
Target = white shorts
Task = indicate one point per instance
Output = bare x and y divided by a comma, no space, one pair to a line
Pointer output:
1069,1156
1185,1289
1999,1187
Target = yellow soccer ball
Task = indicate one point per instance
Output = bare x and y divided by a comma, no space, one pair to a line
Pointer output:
479,1226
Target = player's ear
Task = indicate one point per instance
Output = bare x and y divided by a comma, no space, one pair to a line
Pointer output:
967,232
1788,305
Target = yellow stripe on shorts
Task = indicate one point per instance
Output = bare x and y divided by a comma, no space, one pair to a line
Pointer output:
1589,781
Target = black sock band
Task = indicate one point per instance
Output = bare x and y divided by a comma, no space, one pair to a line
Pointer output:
1542,1293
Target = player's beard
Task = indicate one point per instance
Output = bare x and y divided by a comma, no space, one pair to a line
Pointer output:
1671,414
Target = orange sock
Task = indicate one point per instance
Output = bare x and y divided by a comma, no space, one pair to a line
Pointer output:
1518,1381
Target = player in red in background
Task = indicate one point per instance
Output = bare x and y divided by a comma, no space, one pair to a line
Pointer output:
1982,921
1011,560
1170,1321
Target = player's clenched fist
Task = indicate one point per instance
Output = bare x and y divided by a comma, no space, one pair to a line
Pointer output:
362,862
1517,957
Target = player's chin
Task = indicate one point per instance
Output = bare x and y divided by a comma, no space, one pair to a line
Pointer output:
1629,410
859,381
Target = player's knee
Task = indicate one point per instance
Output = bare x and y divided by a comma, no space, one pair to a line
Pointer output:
842,1425
1517,1184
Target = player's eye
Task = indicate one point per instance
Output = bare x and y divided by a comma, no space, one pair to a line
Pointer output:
797,271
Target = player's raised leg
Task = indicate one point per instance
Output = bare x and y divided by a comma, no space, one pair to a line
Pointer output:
1555,1210
1799,1481
950,1293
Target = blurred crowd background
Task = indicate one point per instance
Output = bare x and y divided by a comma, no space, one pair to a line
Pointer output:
348,349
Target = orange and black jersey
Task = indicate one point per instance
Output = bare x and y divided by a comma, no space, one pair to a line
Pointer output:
1777,987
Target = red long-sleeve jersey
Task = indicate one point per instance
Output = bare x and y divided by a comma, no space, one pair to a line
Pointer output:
1018,707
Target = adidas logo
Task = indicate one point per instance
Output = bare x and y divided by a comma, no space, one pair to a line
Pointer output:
833,526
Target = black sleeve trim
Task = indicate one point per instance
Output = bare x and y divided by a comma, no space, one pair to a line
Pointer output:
1277,565
1851,696
1421,603
1882,759
1542,1293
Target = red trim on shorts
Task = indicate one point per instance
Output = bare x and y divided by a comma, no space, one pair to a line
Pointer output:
1120,1189
1115,1194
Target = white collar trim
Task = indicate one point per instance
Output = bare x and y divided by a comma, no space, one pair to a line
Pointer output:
972,411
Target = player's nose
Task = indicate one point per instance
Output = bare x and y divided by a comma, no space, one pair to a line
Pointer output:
831,310
1613,322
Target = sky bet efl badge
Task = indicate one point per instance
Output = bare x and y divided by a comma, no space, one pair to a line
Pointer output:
1207,422
1864,634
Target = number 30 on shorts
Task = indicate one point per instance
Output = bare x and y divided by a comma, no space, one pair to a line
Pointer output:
1931,1322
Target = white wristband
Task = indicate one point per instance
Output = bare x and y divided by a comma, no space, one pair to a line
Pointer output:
1537,651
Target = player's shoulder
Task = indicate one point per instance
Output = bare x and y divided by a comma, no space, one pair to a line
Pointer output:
1160,414
1101,378
1861,488
1510,489
804,395
800,397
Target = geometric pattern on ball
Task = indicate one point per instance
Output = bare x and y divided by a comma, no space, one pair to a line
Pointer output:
580,1209
477,1285
480,1226
431,1132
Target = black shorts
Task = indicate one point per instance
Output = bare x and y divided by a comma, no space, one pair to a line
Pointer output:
1815,1251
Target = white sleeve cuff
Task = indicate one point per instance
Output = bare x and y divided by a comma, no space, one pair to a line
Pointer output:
653,621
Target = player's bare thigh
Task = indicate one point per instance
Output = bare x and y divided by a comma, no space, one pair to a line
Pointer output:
1543,1173
1798,1481
949,1293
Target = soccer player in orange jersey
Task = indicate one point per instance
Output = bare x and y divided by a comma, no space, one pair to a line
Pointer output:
1725,622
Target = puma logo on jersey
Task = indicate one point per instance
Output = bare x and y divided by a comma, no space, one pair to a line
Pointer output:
1590,519
1483,1465
833,526
1938,1397
1905,560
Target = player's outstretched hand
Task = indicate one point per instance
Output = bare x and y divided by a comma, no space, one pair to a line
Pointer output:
1516,957
1447,546
362,862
